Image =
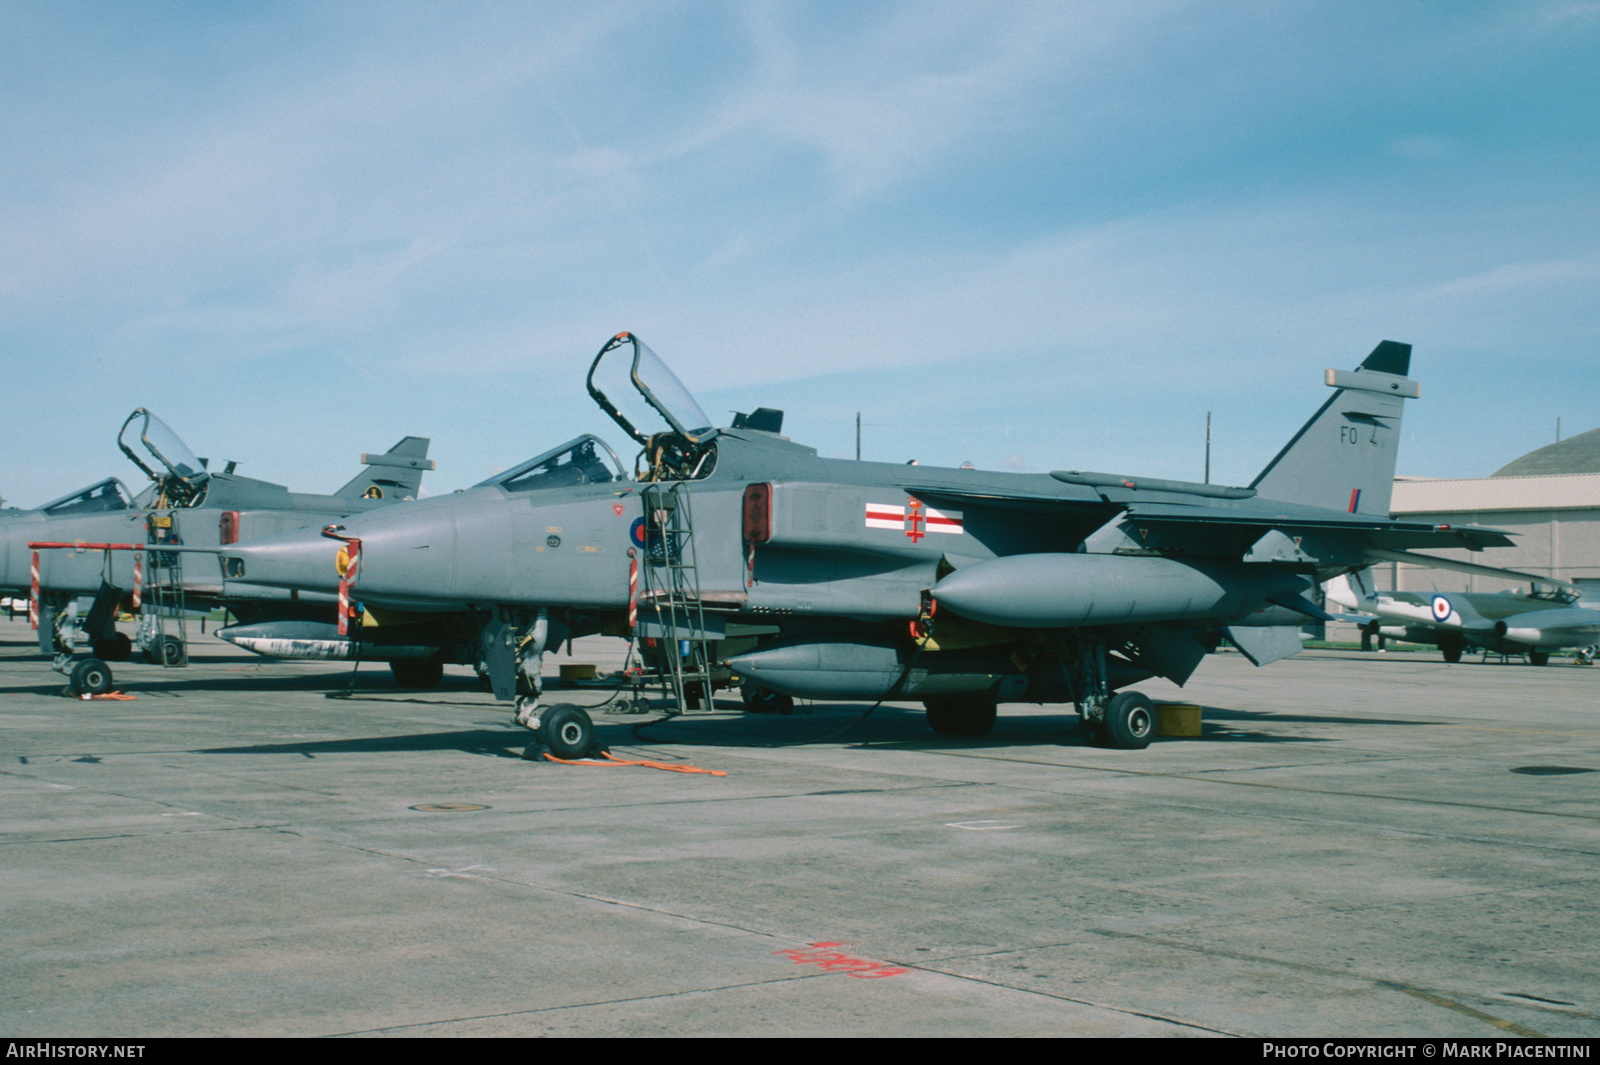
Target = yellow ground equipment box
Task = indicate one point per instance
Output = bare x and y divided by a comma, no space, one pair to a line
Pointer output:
1177,719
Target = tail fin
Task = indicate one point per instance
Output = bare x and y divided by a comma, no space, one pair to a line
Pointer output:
1344,457
396,474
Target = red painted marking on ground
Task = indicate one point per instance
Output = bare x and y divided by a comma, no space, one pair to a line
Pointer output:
824,957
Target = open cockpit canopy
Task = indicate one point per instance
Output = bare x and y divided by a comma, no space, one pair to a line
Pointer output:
152,446
100,497
578,461
638,391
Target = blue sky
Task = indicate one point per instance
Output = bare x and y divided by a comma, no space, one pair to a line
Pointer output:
1029,236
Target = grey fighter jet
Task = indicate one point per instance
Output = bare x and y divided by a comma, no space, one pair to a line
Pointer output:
185,505
864,581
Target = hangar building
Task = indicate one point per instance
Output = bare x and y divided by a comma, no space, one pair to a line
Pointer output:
1549,499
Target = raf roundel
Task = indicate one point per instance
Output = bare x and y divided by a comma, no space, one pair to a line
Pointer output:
1441,608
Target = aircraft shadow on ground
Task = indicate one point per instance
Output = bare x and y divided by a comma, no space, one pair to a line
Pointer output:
905,728
897,730
495,743
1219,714
149,679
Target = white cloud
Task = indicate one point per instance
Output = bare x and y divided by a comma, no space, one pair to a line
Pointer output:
1503,279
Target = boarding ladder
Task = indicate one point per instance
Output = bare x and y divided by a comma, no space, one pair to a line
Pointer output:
162,600
670,596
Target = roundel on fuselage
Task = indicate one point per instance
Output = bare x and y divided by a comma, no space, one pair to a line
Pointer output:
1442,608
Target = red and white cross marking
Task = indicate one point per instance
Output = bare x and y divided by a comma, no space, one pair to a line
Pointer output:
916,519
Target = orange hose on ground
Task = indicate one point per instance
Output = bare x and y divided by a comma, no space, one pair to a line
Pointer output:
612,762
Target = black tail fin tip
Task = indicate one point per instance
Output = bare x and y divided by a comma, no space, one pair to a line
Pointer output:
1390,356
1344,457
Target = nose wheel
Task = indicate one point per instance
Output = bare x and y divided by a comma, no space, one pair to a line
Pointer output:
90,677
567,731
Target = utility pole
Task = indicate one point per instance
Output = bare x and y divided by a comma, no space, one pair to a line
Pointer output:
1208,447
858,436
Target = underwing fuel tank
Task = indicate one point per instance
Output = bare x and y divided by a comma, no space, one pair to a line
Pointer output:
1052,591
846,668
318,641
1557,627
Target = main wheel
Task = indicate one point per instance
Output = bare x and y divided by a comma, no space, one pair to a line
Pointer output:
1451,652
411,673
1539,658
91,677
1130,720
168,652
114,648
960,717
566,730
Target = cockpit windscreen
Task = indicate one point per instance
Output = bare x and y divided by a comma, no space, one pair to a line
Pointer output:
578,461
100,497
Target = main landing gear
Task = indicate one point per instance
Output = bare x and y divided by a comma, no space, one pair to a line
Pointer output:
1126,720
513,646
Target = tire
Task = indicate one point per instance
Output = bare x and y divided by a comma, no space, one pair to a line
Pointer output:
960,717
411,673
168,652
1539,658
1130,721
114,648
567,731
1093,732
1451,652
91,677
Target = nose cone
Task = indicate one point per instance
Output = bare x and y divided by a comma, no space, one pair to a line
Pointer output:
16,561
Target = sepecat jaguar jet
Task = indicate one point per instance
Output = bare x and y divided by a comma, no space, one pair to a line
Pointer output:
186,505
849,580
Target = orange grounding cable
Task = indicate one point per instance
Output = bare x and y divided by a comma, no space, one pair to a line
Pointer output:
612,761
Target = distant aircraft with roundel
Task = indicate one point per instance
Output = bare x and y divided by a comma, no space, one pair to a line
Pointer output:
1549,619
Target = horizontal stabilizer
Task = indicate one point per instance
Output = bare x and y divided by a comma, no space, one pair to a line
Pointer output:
1395,534
1570,591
